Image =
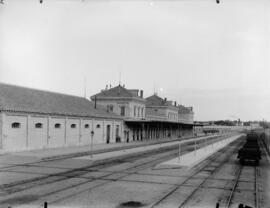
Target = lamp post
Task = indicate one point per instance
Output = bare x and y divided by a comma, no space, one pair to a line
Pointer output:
195,147
179,152
91,144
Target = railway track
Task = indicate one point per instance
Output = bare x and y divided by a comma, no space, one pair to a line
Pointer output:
235,187
229,202
79,171
211,159
145,166
236,181
26,186
255,180
21,186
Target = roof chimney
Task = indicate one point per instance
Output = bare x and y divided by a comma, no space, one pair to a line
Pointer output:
165,99
141,93
175,104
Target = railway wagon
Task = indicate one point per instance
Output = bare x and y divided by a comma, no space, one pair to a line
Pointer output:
250,150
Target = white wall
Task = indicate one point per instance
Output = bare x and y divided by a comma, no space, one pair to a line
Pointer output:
28,137
37,137
186,117
14,139
129,107
86,132
98,132
72,134
172,115
57,135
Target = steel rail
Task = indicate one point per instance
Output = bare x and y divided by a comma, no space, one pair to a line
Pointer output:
190,177
202,183
257,204
97,164
234,187
72,174
81,171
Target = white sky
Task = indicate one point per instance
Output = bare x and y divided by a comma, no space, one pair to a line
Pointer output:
215,57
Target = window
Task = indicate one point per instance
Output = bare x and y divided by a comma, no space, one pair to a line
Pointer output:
57,125
122,112
73,126
86,126
109,108
16,125
139,111
142,112
38,125
98,126
117,131
135,111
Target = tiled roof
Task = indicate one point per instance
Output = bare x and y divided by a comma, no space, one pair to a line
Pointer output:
183,109
155,100
22,99
117,91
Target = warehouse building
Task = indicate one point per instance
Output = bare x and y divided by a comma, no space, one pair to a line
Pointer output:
35,119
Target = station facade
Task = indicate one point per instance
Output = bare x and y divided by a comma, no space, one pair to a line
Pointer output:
146,118
34,119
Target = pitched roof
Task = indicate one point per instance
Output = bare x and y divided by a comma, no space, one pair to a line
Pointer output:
22,99
117,91
184,110
155,100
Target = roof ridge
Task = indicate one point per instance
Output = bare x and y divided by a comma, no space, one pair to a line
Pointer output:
41,90
106,92
126,90
25,99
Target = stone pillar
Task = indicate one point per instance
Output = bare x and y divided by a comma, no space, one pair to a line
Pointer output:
143,131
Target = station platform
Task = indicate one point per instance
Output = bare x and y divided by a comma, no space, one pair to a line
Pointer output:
84,151
194,157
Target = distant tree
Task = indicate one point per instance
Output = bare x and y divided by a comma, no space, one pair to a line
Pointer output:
225,123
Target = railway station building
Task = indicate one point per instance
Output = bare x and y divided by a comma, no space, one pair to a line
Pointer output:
34,119
150,118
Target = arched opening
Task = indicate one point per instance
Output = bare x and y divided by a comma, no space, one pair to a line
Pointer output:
16,125
38,125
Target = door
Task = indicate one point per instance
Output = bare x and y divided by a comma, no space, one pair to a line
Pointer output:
57,132
108,134
14,134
